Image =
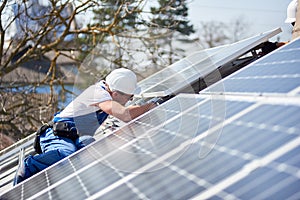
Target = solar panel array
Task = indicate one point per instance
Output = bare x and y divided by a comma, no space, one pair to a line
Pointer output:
177,76
197,66
269,132
274,74
242,143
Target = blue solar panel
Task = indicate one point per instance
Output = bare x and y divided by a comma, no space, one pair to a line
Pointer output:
207,146
188,70
271,74
261,85
118,164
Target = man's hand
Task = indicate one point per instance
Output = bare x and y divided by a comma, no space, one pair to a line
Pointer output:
156,100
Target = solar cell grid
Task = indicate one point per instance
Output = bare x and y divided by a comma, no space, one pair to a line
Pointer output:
267,182
174,70
261,85
177,151
179,164
185,72
268,71
263,75
212,167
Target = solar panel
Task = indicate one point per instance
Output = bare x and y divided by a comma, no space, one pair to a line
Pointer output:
186,71
274,74
206,146
185,74
160,83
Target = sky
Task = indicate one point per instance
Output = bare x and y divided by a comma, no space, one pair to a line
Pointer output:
260,15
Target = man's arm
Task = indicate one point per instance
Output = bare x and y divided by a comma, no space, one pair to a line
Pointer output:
123,113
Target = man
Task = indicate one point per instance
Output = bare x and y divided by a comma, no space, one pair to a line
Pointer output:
291,12
268,47
74,127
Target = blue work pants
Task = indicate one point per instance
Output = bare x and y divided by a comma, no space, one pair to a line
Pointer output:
54,148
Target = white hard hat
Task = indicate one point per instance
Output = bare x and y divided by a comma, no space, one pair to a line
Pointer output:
291,11
123,80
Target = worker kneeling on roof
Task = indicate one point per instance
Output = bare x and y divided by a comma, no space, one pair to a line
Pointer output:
268,47
73,128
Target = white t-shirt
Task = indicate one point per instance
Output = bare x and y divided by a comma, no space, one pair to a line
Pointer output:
83,110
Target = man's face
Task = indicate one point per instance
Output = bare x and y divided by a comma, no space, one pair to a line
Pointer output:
121,97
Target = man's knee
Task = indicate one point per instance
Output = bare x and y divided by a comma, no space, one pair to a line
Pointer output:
83,141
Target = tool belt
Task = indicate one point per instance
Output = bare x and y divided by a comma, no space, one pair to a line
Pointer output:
39,132
65,129
61,129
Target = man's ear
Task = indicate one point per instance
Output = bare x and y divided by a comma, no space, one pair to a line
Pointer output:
114,94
